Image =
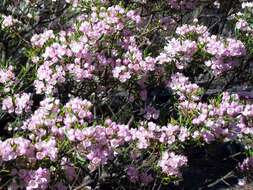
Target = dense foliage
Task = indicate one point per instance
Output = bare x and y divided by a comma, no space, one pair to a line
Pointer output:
99,94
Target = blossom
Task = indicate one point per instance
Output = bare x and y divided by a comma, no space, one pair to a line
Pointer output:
242,25
181,4
247,5
247,164
180,52
171,163
19,103
8,21
35,179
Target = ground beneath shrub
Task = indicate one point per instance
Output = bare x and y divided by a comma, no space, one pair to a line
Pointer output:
214,167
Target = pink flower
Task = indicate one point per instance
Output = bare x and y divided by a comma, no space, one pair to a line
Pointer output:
8,21
8,105
133,174
171,163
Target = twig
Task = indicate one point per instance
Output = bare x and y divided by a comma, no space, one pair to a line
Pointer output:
232,156
222,179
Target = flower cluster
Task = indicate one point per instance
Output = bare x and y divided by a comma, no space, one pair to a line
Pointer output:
16,147
182,4
228,121
151,113
19,103
180,52
170,163
7,78
137,176
165,134
198,30
224,53
31,179
195,38
98,144
183,87
247,164
85,59
38,40
8,21
247,5
243,25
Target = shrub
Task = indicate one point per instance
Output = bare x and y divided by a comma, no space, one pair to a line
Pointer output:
97,93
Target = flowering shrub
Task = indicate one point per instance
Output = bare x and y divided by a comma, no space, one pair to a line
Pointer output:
115,93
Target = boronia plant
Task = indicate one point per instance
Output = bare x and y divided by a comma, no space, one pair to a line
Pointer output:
99,94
